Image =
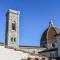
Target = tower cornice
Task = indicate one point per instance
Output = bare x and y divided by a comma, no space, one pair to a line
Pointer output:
14,11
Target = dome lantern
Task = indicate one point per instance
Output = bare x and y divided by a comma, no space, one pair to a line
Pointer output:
51,22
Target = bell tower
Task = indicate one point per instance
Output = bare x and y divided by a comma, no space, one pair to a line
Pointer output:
12,28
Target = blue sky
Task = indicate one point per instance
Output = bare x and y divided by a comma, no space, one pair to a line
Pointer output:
34,18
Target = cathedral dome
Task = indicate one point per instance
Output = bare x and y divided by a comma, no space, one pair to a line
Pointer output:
48,34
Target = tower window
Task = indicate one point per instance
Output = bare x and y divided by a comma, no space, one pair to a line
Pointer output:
13,26
12,39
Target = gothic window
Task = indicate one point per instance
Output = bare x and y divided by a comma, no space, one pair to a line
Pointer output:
12,39
14,26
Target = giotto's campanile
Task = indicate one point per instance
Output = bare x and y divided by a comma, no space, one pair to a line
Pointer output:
12,28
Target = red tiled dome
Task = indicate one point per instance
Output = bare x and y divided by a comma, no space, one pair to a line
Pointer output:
48,35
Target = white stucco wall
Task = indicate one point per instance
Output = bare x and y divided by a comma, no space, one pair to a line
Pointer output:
11,54
32,49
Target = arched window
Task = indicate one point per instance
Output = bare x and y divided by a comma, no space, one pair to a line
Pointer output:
12,39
